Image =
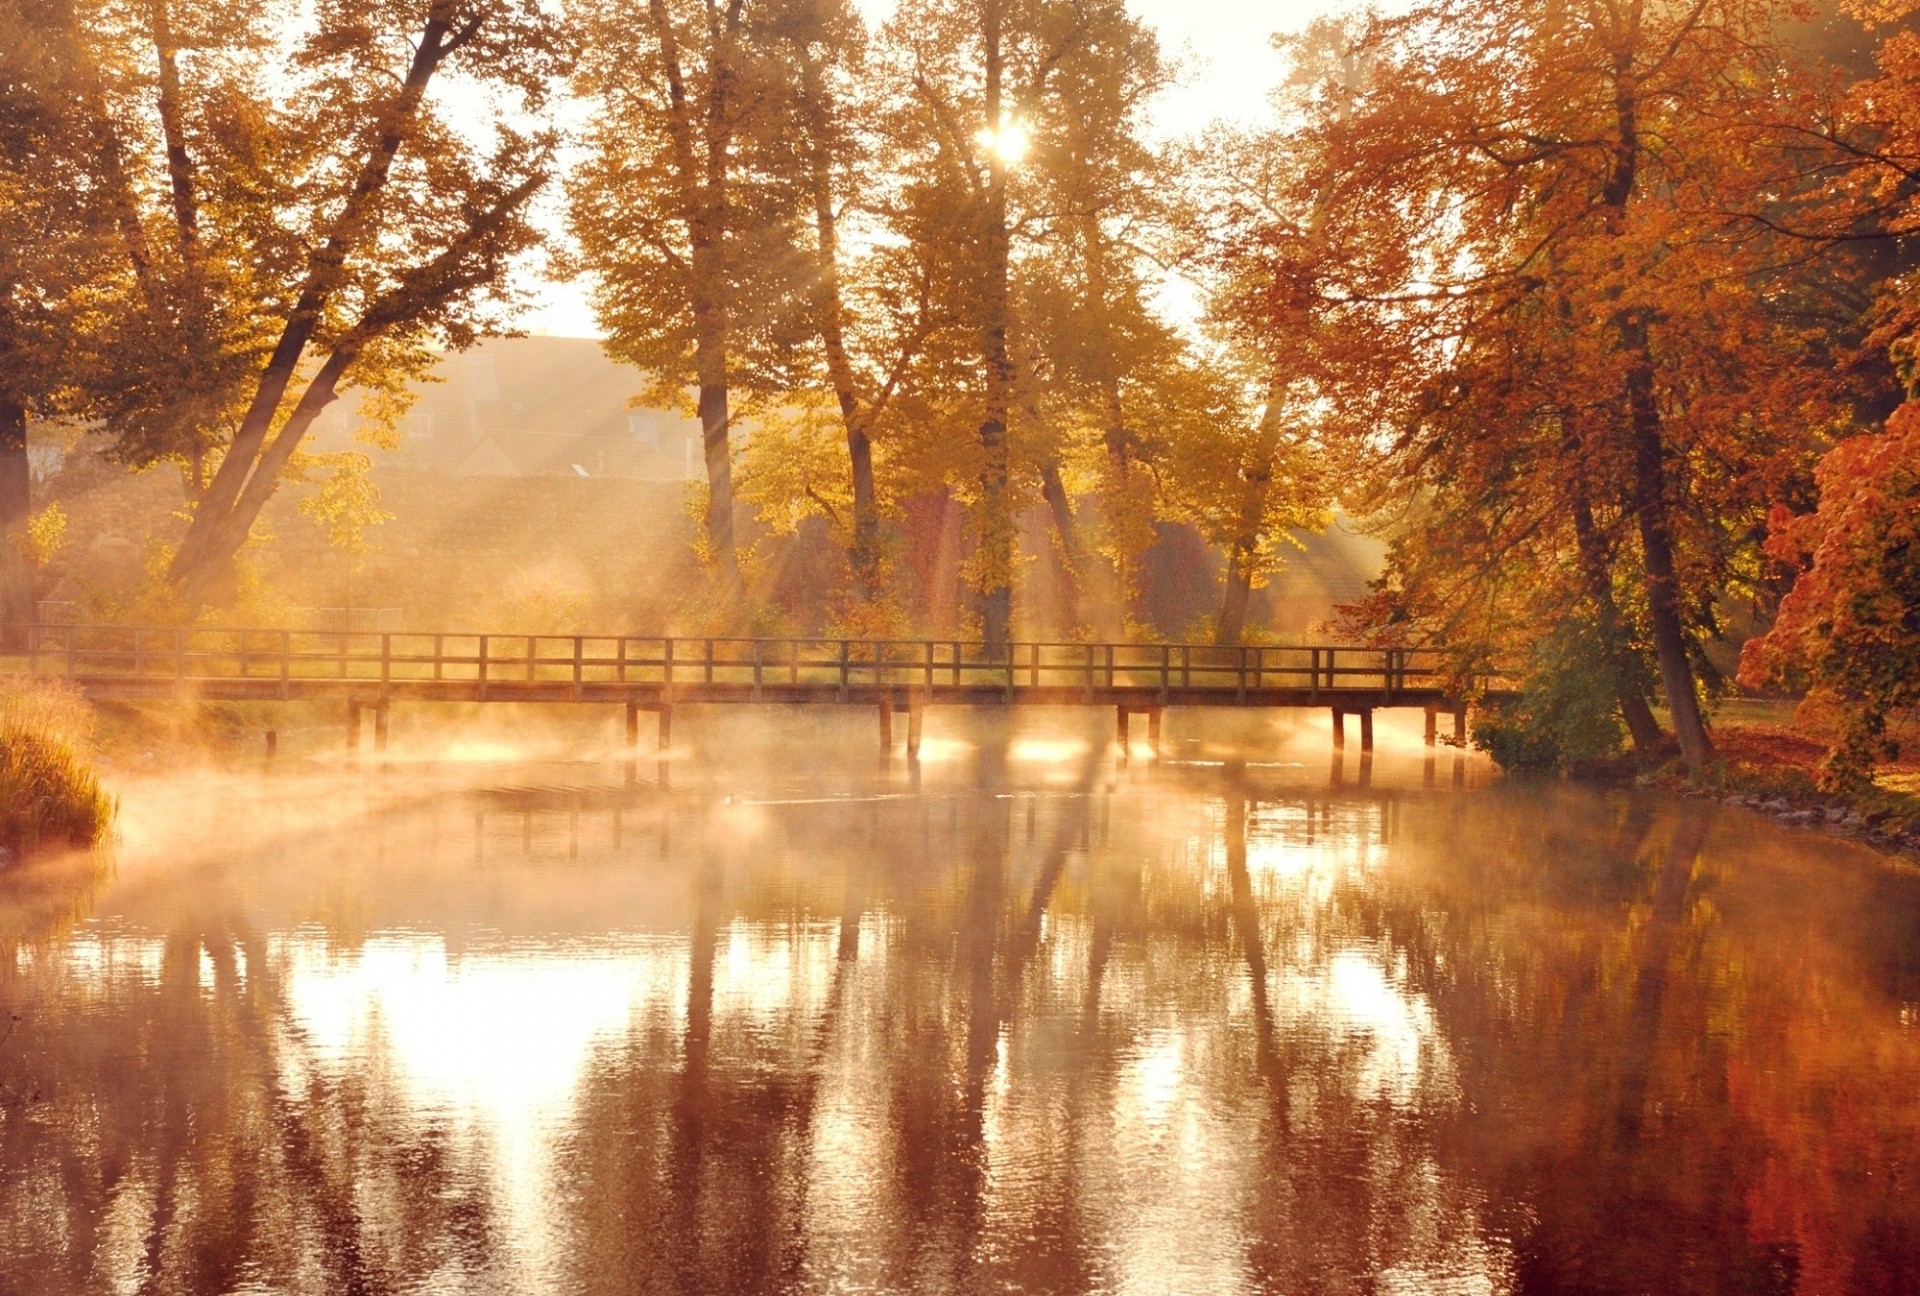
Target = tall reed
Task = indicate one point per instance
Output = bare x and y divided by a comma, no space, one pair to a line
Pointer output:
49,794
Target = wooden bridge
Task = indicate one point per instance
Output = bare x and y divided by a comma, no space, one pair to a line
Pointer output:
372,670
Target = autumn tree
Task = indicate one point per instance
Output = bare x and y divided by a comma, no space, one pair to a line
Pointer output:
687,213
1099,358
973,65
52,257
1848,629
869,303
325,228
1019,136
1551,195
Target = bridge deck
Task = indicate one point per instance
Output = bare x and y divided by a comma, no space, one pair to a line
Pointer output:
140,662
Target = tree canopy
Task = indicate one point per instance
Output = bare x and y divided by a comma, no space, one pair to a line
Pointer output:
1594,310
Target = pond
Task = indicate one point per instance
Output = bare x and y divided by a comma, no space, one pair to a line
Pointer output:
775,1015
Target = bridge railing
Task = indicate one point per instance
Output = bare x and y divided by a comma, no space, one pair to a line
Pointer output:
82,652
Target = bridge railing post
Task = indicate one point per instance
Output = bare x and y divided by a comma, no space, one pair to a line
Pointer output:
286,663
480,668
386,663
758,666
1166,666
666,653
929,680
843,670
1087,685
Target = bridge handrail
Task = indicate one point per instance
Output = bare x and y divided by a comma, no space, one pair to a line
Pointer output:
186,653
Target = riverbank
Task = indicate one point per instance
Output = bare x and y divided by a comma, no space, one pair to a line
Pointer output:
50,794
1766,759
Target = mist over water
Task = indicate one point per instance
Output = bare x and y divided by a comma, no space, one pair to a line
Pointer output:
771,1014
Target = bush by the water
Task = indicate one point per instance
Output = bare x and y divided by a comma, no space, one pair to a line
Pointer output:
1566,716
49,794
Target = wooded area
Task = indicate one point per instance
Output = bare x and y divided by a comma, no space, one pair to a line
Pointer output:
1598,310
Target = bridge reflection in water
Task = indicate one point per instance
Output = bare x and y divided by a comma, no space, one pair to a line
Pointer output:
1049,1024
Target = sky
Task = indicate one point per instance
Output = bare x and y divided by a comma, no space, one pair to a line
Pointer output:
1228,65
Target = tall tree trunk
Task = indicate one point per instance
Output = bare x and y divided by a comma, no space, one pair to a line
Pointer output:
1129,529
1652,513
1066,533
863,555
1129,508
1652,509
703,183
1596,572
718,453
995,558
191,327
186,216
17,610
1227,631
1256,477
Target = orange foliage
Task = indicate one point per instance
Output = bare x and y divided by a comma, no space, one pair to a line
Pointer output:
1850,627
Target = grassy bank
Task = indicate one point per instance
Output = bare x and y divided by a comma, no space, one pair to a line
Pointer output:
1767,758
49,793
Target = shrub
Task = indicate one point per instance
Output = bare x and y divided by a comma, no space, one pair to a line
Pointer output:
1567,714
49,794
1849,630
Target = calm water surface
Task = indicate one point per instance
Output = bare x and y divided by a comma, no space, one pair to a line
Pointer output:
773,1017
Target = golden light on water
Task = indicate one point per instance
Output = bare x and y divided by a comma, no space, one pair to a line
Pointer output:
1046,750
1164,1034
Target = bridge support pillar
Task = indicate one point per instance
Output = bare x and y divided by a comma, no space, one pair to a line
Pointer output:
663,712
915,710
1153,730
1460,725
1433,725
886,724
1121,734
1339,729
380,727
1366,729
353,727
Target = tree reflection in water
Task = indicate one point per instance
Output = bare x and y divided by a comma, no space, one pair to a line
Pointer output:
999,1025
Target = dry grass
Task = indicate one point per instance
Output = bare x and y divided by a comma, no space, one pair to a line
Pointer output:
49,794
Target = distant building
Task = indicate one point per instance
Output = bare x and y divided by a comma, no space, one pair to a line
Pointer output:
535,407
